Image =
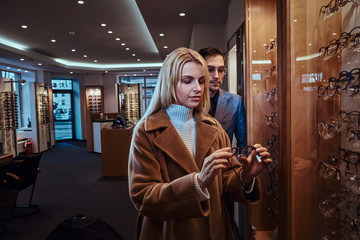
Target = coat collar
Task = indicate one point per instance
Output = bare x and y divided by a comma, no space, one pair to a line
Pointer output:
170,142
221,105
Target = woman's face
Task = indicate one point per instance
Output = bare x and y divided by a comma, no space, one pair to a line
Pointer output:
190,86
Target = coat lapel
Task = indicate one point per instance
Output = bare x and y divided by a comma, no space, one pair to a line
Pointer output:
221,106
206,133
170,142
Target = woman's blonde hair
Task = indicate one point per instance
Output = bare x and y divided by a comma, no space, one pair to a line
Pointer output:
170,73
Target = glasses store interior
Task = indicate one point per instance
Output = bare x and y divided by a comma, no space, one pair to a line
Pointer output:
77,77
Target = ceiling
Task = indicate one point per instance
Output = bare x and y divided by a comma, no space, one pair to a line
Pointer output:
137,23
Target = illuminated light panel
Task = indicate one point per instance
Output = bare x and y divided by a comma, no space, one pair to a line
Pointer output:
107,66
308,57
261,62
182,14
161,34
13,44
103,25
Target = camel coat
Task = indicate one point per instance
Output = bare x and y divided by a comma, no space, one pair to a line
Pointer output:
162,187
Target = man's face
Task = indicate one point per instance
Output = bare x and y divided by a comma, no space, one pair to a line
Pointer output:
216,67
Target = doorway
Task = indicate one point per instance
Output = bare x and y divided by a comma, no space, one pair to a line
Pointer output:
63,109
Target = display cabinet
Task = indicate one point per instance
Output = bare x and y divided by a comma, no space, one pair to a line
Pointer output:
43,116
9,116
303,104
94,99
130,101
261,98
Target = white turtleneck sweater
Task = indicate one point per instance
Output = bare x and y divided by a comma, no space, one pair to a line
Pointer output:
184,122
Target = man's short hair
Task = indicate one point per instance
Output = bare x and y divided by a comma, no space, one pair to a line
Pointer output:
211,51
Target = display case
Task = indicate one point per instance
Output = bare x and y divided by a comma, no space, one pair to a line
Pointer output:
304,106
325,103
130,101
43,116
94,99
261,98
9,116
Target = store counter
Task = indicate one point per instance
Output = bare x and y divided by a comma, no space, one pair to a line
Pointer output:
98,125
115,144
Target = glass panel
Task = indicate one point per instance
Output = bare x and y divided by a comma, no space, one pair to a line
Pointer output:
262,108
62,116
61,84
324,101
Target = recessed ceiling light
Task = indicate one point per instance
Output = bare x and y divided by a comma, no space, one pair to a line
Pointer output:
21,59
24,26
117,39
150,74
334,34
103,25
95,60
122,44
39,64
161,34
134,74
295,20
106,71
19,70
133,54
73,50
71,72
53,40
264,44
310,44
144,70
138,59
26,71
8,67
81,2
85,55
165,46
127,49
125,75
182,14
254,51
110,32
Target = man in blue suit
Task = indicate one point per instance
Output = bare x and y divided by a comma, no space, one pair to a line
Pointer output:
227,108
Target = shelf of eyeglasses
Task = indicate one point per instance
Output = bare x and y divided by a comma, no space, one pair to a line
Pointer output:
271,142
334,6
271,71
346,122
271,120
271,46
347,230
271,95
347,81
347,40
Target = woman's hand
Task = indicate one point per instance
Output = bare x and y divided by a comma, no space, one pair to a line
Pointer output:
251,166
212,165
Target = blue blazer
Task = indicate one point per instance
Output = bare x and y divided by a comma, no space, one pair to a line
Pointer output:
230,112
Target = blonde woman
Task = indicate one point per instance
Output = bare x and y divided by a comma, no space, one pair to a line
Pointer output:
181,166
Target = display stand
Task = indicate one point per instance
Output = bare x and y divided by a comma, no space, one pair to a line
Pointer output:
8,117
43,116
94,106
310,79
130,99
